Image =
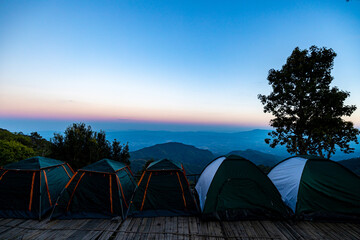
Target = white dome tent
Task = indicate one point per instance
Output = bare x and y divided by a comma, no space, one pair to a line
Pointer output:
317,188
232,188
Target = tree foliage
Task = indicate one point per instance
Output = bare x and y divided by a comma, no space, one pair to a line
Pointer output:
41,146
13,151
308,111
80,146
144,167
18,146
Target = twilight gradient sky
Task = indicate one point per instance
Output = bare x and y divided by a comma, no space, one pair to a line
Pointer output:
198,63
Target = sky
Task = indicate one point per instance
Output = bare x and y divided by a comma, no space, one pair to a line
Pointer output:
163,65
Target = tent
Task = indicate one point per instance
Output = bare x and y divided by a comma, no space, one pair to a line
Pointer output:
316,188
163,190
29,188
233,188
100,190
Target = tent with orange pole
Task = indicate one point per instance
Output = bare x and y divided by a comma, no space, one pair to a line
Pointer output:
29,188
100,190
163,190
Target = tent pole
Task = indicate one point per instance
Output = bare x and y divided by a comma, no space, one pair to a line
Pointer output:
120,197
40,196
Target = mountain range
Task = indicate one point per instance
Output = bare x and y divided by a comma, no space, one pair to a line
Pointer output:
219,143
193,159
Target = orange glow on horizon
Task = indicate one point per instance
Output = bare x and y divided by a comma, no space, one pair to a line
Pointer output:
31,108
149,119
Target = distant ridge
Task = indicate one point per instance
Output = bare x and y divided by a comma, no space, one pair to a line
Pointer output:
353,164
219,143
259,158
193,159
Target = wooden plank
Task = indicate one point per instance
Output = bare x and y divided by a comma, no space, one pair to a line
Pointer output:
300,230
8,224
4,224
232,230
91,228
145,228
80,233
124,225
330,232
71,226
169,228
194,226
347,231
203,230
260,230
216,231
355,227
240,227
136,229
32,228
13,231
110,229
309,231
152,229
180,228
75,229
173,228
148,226
286,229
159,228
4,221
209,235
132,228
249,229
46,234
228,230
272,230
186,228
335,230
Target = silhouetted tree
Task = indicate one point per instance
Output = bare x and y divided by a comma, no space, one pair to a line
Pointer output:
116,150
80,146
41,146
103,146
308,112
125,155
144,167
120,152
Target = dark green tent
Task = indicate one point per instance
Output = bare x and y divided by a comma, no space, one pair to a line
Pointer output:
29,188
163,190
318,188
232,188
100,190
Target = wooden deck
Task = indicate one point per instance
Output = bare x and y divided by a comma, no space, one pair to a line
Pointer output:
174,228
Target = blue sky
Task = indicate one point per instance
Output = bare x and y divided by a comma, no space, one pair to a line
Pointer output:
170,63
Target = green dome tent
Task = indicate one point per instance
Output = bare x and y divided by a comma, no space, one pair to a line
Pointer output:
29,188
232,188
100,190
163,190
317,188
